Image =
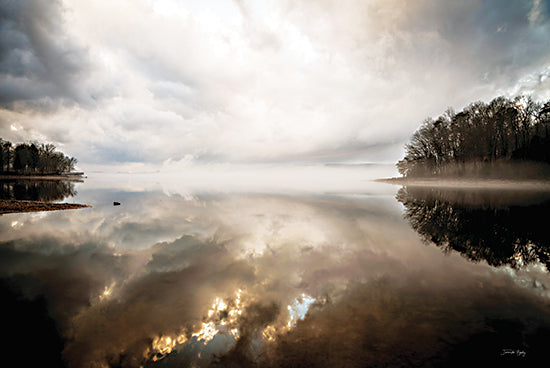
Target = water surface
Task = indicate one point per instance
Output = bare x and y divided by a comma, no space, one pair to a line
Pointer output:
340,273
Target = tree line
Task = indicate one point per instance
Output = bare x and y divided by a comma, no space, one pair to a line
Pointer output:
33,158
504,129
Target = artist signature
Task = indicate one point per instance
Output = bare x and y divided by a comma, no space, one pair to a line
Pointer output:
514,352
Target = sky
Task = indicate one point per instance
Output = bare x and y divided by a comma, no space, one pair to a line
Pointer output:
145,84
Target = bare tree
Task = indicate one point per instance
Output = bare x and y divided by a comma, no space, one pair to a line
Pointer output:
504,129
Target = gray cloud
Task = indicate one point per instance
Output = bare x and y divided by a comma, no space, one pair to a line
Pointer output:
39,63
467,37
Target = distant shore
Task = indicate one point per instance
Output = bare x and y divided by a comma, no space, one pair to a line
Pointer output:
467,183
20,206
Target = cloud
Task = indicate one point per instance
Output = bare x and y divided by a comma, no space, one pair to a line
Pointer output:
262,82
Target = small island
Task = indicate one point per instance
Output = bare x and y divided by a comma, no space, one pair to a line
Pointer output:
504,139
34,176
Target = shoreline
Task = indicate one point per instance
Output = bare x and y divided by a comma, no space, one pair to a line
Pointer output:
469,183
8,206
70,177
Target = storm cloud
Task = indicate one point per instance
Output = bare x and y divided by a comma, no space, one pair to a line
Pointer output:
40,65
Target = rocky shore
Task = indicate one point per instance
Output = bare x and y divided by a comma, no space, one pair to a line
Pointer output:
18,206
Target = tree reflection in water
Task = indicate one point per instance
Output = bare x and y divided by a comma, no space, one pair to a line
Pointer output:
501,227
37,190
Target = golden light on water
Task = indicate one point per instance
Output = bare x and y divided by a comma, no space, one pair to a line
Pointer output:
207,332
107,292
221,318
163,346
269,333
224,317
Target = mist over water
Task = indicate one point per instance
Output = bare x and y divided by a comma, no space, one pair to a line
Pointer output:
316,266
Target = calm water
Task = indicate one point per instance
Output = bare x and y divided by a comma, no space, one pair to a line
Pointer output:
348,273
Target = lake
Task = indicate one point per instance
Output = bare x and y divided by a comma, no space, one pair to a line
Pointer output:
301,267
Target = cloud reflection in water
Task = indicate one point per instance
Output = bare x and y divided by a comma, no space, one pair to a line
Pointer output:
268,280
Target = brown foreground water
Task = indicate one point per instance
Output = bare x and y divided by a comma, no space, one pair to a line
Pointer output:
369,275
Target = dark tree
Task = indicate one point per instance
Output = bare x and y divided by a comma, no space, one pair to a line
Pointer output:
5,155
479,136
25,158
32,158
